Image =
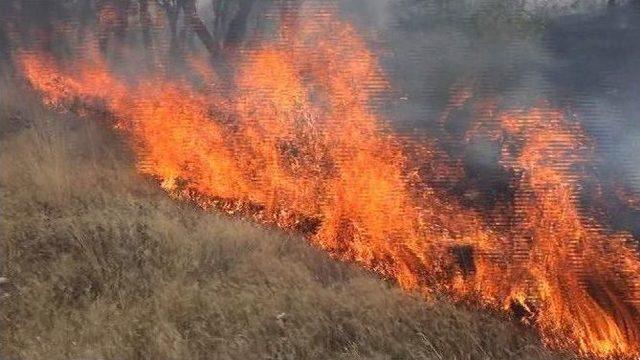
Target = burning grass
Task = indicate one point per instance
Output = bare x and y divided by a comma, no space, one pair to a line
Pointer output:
101,265
291,138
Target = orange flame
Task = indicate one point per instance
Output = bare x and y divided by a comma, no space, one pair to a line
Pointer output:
297,144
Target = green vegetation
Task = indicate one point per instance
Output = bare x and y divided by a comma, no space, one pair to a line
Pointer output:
100,264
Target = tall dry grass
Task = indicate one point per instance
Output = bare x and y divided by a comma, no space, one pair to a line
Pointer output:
101,265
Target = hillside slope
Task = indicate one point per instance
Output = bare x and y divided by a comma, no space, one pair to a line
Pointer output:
100,264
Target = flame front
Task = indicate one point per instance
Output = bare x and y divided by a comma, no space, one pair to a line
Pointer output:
297,143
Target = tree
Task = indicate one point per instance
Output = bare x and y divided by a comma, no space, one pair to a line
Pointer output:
172,9
196,25
112,19
238,26
145,22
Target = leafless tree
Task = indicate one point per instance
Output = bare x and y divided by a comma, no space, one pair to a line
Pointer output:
113,19
238,25
145,22
173,8
122,18
231,18
196,25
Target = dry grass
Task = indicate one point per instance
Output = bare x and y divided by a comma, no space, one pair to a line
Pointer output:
102,265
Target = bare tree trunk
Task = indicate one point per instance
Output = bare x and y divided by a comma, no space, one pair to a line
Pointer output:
6,13
173,11
145,22
105,8
122,19
197,26
289,16
218,20
238,26
86,13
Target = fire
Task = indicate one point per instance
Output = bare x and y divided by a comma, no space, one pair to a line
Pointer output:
585,280
295,142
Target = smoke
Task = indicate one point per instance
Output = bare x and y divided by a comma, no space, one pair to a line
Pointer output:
474,151
580,55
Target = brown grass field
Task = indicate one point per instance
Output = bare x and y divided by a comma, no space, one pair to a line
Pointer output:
100,264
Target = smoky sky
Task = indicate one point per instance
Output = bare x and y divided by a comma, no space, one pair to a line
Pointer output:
581,56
